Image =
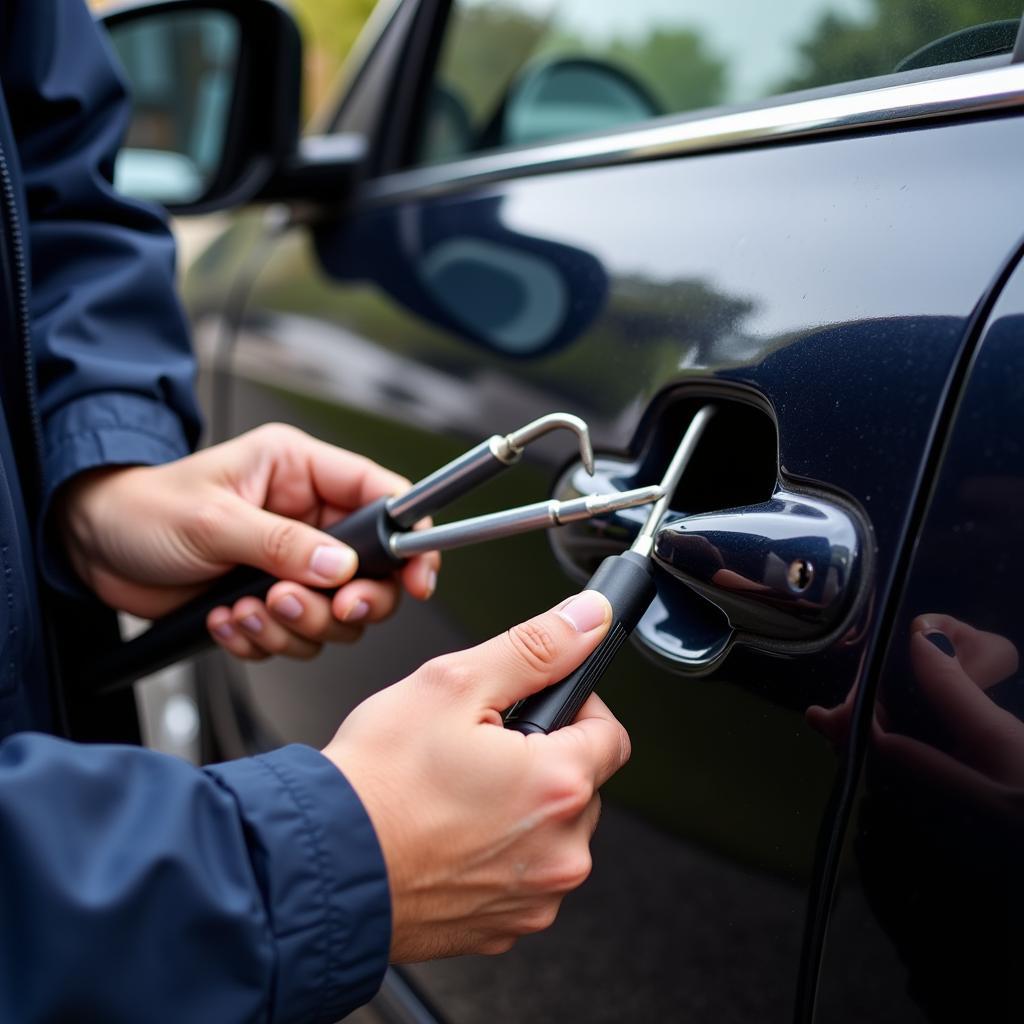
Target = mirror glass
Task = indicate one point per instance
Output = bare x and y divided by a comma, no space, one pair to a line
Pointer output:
181,69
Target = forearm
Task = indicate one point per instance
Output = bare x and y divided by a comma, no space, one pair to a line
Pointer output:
148,887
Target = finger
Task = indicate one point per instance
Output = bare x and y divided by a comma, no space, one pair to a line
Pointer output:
251,619
365,601
535,653
226,636
309,614
833,723
419,576
596,738
293,470
234,532
347,480
985,733
988,658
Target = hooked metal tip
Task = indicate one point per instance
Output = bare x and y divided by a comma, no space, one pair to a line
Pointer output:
519,439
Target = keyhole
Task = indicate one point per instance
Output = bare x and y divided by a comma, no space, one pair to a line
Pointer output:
800,575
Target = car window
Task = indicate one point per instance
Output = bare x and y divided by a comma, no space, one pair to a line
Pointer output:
512,72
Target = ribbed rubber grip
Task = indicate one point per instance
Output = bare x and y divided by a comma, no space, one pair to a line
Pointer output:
627,580
183,632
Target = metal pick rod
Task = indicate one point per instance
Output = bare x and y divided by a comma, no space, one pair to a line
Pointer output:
538,516
480,464
644,543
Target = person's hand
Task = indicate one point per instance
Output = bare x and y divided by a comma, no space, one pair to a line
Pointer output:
954,664
484,830
148,538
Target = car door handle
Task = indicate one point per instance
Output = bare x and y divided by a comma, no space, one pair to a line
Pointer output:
788,569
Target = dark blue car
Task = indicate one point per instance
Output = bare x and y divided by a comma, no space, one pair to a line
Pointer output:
808,214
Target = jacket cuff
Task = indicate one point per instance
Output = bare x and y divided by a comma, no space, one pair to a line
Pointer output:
323,879
112,428
108,429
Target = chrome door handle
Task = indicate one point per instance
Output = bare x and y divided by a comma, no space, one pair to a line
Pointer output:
788,569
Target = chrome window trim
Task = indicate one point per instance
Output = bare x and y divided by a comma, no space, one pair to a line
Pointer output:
990,91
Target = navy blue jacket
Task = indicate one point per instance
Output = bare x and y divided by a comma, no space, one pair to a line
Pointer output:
133,886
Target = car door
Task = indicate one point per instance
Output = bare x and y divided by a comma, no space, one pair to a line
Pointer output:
811,262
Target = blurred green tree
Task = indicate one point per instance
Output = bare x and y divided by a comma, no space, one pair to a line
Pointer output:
329,28
841,48
675,65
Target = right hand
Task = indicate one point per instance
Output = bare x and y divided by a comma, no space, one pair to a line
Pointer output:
484,830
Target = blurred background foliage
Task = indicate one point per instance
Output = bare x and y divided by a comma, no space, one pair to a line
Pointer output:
681,67
329,28
839,48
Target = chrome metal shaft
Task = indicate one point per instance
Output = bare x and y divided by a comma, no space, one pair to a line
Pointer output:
479,464
539,516
644,543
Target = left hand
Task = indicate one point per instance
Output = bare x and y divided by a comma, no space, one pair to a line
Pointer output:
148,538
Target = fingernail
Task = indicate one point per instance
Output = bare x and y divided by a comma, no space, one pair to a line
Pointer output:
333,563
585,611
940,640
431,583
252,624
224,631
358,611
289,607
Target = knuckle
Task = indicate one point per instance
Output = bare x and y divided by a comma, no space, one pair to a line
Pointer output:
274,432
534,645
569,791
205,524
539,919
449,674
625,746
280,540
497,946
572,871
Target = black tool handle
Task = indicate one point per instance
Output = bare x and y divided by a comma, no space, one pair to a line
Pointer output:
627,580
183,632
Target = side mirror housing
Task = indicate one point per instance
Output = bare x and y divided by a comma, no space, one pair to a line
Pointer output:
216,89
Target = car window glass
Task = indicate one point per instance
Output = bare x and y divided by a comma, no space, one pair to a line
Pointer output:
511,72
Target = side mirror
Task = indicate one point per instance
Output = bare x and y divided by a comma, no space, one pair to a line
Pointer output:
216,88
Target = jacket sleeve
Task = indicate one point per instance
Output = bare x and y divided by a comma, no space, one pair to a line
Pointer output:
136,887
112,358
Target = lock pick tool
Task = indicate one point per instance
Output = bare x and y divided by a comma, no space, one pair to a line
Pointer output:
383,536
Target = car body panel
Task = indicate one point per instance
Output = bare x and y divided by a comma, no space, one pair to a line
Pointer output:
834,282
930,891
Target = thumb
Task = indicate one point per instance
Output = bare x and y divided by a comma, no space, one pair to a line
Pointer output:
538,652
285,548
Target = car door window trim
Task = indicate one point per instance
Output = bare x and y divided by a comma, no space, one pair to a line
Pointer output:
993,90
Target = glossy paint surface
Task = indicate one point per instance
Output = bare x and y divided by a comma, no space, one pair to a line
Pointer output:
932,887
829,282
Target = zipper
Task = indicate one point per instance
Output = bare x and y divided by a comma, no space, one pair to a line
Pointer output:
15,267
20,314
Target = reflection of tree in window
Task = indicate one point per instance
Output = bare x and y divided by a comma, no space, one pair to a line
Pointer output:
841,48
484,49
677,66
487,46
